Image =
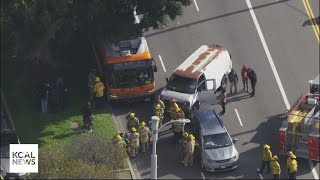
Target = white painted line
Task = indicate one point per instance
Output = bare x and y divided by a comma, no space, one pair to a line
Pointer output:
202,175
164,68
195,3
260,174
314,172
274,70
266,49
238,117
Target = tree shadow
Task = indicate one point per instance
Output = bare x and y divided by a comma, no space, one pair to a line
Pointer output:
309,22
67,135
210,19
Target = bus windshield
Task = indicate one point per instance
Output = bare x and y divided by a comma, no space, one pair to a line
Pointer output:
131,74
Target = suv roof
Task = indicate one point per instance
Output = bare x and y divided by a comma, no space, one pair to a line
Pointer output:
209,121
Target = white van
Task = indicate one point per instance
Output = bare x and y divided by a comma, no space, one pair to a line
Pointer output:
198,78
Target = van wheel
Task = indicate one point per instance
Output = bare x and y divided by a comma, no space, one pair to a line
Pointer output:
224,81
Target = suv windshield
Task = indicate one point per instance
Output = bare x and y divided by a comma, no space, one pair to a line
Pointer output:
215,141
131,74
182,84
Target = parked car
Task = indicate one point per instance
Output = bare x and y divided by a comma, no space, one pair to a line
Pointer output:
218,152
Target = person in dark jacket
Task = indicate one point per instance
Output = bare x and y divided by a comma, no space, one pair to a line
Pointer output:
60,91
253,80
44,95
233,79
87,117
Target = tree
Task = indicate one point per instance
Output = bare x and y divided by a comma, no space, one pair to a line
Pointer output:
29,27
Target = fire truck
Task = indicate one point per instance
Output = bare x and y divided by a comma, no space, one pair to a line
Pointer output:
299,131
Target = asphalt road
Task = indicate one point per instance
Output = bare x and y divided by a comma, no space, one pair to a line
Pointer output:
293,48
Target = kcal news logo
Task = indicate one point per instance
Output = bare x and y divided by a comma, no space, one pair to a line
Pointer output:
23,158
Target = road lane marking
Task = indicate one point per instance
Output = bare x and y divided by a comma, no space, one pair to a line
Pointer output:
266,49
164,68
274,70
259,174
238,117
195,3
202,175
314,24
314,172
312,15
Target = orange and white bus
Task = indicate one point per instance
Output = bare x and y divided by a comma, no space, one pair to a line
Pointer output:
128,69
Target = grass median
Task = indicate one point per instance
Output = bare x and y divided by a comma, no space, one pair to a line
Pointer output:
19,83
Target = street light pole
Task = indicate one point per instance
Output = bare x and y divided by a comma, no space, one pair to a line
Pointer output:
155,130
154,163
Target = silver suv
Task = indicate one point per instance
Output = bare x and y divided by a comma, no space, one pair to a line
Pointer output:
218,152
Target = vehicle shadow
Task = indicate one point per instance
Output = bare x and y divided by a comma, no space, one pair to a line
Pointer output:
309,23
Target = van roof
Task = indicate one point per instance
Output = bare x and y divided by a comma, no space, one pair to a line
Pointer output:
197,62
209,122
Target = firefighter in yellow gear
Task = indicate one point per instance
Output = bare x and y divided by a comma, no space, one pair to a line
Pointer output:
173,108
276,169
134,142
289,160
266,158
182,145
145,135
98,88
159,101
177,130
180,114
133,121
159,112
121,145
99,92
293,167
189,151
91,82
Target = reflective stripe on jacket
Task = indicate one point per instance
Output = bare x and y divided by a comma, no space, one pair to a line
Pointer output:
99,89
275,167
144,134
134,140
267,155
133,122
190,147
293,166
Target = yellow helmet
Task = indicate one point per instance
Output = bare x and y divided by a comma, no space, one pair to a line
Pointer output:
274,158
290,153
133,129
97,79
158,106
143,124
178,109
118,137
185,134
132,115
191,137
266,146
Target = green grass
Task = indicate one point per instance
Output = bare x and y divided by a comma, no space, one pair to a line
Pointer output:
19,84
